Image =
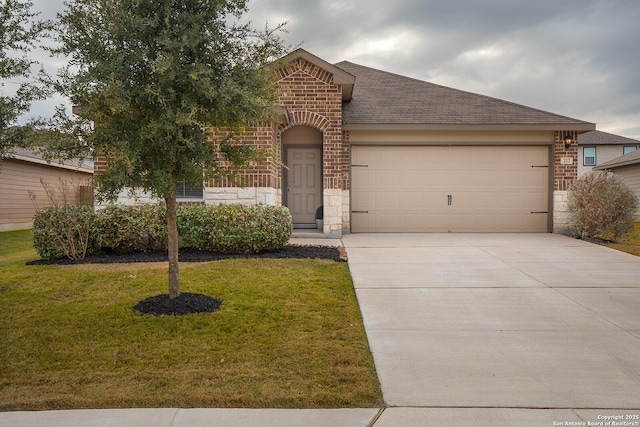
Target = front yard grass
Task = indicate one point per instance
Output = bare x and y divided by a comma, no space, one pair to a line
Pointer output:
630,244
289,335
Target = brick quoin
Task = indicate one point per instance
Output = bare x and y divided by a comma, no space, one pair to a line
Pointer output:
564,175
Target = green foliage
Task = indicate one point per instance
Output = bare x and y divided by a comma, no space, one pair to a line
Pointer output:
154,75
194,225
65,231
75,231
126,229
19,33
235,228
602,206
238,228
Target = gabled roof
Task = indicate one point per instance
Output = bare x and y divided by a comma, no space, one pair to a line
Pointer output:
626,160
386,100
340,77
597,137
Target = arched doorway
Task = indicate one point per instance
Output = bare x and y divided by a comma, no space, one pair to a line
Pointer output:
302,193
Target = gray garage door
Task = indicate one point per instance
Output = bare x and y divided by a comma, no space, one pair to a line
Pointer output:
456,189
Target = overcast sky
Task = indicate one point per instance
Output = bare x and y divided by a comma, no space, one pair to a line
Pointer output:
578,58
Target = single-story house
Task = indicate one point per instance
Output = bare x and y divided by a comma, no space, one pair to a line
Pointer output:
628,167
596,148
383,152
21,173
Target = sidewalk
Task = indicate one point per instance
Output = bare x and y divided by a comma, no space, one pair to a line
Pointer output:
191,418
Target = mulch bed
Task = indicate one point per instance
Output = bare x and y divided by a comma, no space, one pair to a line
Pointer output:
194,255
185,303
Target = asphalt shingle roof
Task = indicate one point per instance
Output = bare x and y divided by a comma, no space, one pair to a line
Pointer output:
626,160
597,137
380,97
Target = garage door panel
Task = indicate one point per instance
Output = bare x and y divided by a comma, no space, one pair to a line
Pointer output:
412,200
439,189
363,200
388,178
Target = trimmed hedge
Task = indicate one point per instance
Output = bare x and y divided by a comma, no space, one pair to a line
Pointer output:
194,225
126,229
234,228
75,231
249,229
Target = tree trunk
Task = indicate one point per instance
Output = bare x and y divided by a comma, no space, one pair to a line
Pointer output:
172,228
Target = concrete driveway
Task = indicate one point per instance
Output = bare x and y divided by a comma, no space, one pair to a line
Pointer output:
499,321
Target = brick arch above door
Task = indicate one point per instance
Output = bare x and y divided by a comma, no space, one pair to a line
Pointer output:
306,118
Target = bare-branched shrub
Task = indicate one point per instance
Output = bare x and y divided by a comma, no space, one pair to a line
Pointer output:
63,229
601,206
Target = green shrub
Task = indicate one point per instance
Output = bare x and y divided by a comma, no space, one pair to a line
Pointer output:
601,205
65,231
194,225
126,229
234,228
250,229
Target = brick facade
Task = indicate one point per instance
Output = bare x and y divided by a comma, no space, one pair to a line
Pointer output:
311,94
565,173
310,98
565,166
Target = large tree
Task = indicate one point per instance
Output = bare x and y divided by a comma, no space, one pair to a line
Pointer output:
20,33
154,76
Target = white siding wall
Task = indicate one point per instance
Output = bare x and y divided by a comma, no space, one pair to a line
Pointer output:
604,153
631,176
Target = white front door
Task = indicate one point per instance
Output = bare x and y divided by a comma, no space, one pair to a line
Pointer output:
304,184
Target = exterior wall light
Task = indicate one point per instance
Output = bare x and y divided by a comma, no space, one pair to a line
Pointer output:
568,140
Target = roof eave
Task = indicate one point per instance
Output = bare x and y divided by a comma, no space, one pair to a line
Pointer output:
606,166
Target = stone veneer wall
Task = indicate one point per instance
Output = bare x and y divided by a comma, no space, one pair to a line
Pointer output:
564,175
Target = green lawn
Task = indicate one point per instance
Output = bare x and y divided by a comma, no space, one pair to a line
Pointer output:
289,335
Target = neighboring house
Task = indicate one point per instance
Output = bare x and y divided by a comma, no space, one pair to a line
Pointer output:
596,148
628,167
387,153
22,172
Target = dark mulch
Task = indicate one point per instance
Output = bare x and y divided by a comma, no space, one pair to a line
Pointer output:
186,303
194,255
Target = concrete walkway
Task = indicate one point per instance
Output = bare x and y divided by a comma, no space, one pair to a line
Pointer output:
499,329
466,330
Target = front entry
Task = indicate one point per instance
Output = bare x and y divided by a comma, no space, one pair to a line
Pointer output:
304,185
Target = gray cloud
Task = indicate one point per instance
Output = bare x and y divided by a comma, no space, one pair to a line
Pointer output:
573,57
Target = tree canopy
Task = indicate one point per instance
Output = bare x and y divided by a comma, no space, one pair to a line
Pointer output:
153,76
20,32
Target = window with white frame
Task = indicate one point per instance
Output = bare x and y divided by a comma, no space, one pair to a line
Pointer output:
589,156
629,149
